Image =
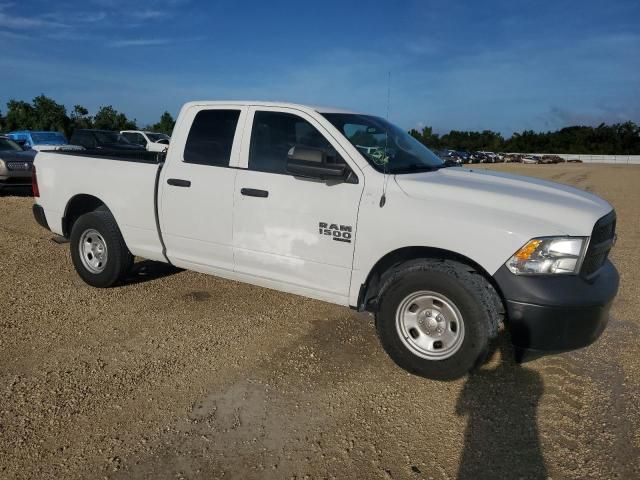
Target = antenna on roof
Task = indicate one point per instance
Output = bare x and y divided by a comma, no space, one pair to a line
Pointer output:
383,198
389,95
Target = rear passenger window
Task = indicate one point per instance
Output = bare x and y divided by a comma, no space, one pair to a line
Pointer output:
135,138
274,133
84,140
211,137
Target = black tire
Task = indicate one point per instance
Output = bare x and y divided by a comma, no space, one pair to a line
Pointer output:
475,299
119,259
131,259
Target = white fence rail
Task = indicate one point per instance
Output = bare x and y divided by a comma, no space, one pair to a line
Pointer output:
617,159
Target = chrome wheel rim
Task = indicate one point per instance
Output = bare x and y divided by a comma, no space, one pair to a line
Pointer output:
430,325
93,251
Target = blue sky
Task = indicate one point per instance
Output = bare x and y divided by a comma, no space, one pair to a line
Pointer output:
505,65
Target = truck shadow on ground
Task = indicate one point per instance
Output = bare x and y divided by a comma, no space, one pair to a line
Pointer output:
254,420
501,437
148,270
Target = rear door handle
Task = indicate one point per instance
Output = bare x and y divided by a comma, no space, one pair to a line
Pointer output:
254,192
177,182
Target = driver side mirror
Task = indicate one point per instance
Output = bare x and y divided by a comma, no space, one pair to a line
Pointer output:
309,162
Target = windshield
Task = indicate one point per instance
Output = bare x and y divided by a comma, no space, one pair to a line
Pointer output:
154,137
48,138
386,147
7,145
111,137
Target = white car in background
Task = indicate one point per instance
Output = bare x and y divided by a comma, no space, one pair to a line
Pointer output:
530,159
153,142
490,156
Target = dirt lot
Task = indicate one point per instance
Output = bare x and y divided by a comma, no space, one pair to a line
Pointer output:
181,375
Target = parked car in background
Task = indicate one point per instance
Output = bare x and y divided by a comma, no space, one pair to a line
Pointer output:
92,139
548,159
490,157
529,159
464,156
153,142
451,156
478,157
16,164
41,140
448,162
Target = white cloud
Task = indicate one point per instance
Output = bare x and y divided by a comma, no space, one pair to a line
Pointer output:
151,42
140,42
17,22
149,14
13,35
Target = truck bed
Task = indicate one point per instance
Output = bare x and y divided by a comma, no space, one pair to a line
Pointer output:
126,182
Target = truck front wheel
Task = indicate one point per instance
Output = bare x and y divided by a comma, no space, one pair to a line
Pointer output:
98,251
436,318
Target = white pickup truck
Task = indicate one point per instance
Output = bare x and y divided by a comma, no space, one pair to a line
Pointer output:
350,209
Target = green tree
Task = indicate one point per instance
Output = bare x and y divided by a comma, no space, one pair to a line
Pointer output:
49,115
20,115
165,125
44,113
80,118
108,118
427,137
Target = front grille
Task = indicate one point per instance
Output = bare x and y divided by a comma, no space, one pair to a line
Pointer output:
19,166
602,238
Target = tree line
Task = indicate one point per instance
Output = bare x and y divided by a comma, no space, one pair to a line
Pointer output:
44,113
616,139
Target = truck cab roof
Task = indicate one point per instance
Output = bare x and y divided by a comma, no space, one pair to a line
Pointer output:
253,103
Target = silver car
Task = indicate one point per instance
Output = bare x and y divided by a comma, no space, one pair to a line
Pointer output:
16,164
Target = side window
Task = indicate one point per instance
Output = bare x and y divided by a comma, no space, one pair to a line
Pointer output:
84,139
211,137
274,133
139,139
135,138
90,140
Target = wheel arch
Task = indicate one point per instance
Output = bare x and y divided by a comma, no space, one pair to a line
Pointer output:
369,290
79,205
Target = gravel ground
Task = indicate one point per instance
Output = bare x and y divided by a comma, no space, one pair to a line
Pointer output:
182,375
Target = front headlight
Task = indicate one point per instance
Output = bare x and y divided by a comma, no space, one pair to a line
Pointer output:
548,255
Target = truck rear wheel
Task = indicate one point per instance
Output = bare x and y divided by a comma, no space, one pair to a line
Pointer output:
98,251
436,318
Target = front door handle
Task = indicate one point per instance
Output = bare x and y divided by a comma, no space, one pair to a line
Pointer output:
254,192
177,182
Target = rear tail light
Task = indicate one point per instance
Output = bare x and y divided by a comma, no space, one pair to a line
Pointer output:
34,183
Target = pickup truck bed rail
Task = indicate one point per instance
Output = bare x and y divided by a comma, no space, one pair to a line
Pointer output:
123,156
